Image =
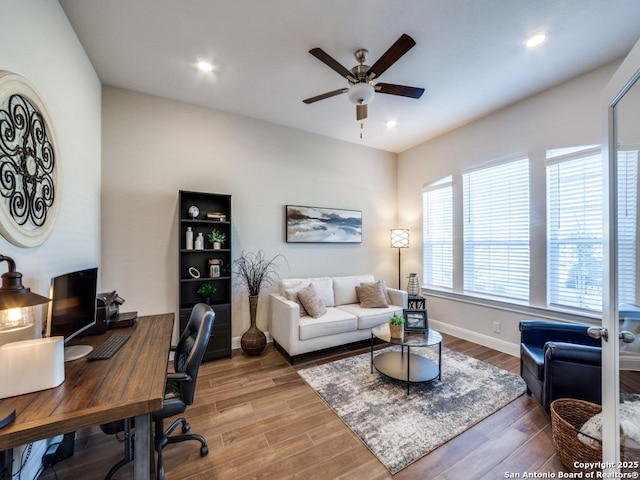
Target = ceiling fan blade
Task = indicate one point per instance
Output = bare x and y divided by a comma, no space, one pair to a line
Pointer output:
326,95
332,63
361,112
391,56
402,90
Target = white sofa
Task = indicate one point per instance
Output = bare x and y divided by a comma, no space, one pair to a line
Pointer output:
345,321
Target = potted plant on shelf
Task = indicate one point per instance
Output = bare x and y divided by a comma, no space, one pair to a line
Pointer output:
206,291
255,272
396,326
217,238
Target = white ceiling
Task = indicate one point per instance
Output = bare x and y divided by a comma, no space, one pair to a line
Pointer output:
469,55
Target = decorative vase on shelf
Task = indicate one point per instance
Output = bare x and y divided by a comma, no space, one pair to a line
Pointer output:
189,239
199,242
253,340
413,287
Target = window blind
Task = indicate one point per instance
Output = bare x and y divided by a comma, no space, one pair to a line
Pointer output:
627,186
574,230
437,232
496,230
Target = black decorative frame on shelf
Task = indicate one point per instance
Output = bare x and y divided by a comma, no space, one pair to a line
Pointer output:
416,321
323,225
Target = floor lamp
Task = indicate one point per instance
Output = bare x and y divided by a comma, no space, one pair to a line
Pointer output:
399,240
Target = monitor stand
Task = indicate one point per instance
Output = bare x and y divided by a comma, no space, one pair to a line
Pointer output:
74,352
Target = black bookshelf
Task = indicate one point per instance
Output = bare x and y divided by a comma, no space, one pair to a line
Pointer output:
214,213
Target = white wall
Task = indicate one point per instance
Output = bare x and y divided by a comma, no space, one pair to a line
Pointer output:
153,147
39,44
567,115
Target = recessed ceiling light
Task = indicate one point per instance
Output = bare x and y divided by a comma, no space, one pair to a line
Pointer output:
391,123
535,39
205,66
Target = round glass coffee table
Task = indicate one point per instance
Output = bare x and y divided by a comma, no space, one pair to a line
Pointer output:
407,366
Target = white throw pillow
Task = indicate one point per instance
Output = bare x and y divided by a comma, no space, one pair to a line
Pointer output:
292,294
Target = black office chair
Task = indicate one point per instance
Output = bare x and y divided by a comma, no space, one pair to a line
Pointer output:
560,360
179,392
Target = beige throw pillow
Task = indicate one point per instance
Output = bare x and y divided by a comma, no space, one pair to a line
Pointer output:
385,292
311,301
371,296
292,294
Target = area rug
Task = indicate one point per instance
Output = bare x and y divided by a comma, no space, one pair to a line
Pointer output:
399,428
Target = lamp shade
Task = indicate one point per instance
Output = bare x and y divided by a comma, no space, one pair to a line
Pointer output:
12,293
361,93
399,238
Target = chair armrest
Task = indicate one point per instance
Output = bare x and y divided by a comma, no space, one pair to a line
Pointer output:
539,332
400,298
572,371
178,377
284,322
571,352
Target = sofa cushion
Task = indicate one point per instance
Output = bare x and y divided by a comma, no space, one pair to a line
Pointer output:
292,294
332,322
323,285
311,301
344,288
371,295
370,317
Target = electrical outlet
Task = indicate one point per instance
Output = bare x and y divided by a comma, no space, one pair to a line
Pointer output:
496,327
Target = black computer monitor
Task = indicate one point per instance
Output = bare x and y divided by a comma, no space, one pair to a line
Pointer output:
72,309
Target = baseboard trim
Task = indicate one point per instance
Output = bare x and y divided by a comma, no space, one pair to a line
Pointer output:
480,339
475,337
235,341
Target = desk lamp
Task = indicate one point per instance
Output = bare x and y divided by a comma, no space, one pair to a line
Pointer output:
399,240
17,312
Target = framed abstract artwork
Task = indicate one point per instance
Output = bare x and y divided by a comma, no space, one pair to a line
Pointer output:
323,225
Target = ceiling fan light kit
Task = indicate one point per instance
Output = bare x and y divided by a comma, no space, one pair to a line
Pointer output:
361,90
361,93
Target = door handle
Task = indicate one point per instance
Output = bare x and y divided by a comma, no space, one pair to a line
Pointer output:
627,337
598,333
603,333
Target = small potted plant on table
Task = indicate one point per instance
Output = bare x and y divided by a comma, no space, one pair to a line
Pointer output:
396,326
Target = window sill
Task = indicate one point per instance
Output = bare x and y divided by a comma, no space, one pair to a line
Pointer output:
547,313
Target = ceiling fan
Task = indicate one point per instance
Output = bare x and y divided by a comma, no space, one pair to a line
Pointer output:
361,87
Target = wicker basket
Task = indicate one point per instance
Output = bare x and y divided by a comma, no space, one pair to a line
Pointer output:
567,417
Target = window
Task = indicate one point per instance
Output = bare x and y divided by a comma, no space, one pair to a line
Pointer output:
627,225
496,230
574,229
437,230
494,221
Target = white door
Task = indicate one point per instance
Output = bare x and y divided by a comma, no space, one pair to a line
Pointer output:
621,306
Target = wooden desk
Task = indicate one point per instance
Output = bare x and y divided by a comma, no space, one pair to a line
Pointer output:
130,384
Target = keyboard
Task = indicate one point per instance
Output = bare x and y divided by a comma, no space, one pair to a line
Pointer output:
109,347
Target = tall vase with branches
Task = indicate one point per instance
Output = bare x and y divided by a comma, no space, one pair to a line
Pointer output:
255,271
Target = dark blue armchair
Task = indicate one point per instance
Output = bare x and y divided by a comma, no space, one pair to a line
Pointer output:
560,360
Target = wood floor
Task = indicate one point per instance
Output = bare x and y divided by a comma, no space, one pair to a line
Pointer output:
262,421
